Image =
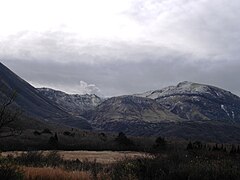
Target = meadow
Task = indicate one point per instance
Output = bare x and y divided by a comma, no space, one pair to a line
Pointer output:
167,160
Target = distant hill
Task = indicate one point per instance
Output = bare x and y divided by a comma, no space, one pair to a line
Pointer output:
33,103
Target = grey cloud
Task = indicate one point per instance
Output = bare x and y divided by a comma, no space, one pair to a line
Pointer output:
86,88
129,77
66,47
205,28
195,40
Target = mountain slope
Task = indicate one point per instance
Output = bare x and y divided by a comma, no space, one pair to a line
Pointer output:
72,103
130,109
194,101
33,103
139,116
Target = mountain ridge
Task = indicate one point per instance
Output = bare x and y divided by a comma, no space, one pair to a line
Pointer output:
75,104
33,103
190,95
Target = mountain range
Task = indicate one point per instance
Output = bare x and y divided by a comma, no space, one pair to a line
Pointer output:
187,110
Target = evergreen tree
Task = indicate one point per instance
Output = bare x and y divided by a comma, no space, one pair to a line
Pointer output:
55,136
190,146
233,150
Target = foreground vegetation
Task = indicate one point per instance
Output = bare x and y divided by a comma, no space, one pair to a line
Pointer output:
167,161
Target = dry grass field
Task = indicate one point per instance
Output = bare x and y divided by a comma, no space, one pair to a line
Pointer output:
103,157
196,161
48,173
59,173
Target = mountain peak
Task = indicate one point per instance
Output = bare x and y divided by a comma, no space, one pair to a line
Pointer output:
190,84
183,83
197,101
186,88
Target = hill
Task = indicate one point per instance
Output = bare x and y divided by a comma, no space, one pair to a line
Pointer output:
33,103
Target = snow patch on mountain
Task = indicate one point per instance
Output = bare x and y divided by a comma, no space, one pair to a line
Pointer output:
224,109
185,88
73,103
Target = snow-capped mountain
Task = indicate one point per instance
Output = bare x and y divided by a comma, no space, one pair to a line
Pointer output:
187,88
195,101
187,110
72,103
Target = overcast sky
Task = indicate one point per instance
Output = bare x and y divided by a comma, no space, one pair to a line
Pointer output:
115,47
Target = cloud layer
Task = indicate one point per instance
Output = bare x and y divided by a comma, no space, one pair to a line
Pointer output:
122,47
117,78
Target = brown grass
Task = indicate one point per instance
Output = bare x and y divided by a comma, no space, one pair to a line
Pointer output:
103,157
47,173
